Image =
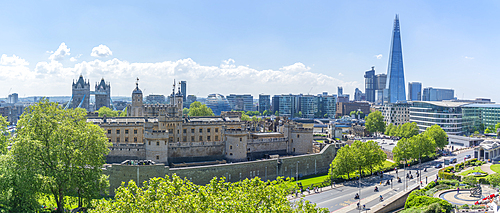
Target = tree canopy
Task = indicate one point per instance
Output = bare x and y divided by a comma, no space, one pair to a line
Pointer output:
198,109
358,156
173,194
4,135
375,122
406,130
110,113
59,152
438,135
414,148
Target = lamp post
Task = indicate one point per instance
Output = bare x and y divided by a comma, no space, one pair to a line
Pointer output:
359,192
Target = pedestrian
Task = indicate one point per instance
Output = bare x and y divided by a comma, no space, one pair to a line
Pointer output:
425,179
458,190
420,182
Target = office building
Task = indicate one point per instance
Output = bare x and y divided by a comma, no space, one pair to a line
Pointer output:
275,104
155,99
414,91
359,96
189,100
308,106
218,103
380,85
288,105
395,72
435,94
446,114
240,102
264,103
396,113
345,108
13,98
369,85
327,105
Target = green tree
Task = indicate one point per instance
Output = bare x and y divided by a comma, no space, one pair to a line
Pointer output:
438,135
107,111
342,163
470,180
124,113
4,136
388,129
375,122
408,130
494,179
266,113
374,155
173,194
198,109
185,111
277,113
62,149
403,151
422,145
252,113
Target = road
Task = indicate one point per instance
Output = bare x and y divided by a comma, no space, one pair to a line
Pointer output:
343,196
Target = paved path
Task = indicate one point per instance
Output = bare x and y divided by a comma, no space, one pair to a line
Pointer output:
486,168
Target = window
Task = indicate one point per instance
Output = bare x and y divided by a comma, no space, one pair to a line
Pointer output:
126,139
126,131
170,139
109,131
184,131
170,131
231,154
135,131
157,158
109,139
208,138
150,143
192,130
241,139
293,149
208,129
177,131
298,136
216,129
135,139
201,130
216,138
192,138
157,143
177,139
184,139
201,138
117,131
230,147
165,142
118,140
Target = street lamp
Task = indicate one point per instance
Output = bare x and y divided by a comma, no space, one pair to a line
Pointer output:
359,194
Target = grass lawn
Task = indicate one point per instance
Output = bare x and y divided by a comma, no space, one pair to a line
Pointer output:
319,179
475,169
495,168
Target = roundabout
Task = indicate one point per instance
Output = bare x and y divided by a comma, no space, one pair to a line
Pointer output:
463,196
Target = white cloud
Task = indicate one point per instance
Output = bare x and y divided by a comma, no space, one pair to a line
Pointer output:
470,58
101,51
379,56
73,59
340,74
53,78
14,68
60,53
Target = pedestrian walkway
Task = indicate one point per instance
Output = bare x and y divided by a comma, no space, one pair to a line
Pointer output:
486,168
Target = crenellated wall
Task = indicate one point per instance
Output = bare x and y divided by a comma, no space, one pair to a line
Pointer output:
265,169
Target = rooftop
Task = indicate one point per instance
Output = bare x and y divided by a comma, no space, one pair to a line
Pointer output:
444,103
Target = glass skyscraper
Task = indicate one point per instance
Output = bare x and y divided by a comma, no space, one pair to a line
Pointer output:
395,72
414,91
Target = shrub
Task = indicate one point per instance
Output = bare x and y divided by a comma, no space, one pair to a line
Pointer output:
432,184
424,201
494,179
483,180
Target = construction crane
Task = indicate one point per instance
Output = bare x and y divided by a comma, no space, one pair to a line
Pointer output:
310,90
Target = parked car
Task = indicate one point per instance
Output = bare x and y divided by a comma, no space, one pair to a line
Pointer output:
453,160
439,165
467,156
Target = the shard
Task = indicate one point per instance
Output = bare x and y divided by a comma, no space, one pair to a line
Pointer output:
395,72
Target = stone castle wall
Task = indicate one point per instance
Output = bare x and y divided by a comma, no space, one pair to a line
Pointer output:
265,169
120,153
195,151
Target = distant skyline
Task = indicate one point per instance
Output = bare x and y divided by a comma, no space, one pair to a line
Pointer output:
256,47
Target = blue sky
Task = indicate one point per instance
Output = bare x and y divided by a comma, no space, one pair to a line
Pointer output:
270,47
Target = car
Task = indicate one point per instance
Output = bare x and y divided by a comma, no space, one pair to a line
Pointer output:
439,165
453,160
391,143
467,156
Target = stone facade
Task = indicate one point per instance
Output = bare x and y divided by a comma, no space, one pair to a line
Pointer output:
81,93
160,133
102,95
269,169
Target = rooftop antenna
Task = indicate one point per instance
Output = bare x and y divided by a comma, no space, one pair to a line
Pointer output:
137,82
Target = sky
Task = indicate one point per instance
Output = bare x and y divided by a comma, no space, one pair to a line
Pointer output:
245,47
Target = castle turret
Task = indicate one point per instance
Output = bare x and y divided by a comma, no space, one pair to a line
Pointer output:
102,95
137,108
236,144
81,93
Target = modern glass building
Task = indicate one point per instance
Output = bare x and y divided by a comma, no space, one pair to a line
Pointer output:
476,114
240,102
395,72
288,105
414,91
308,105
435,94
370,85
448,115
264,103
217,103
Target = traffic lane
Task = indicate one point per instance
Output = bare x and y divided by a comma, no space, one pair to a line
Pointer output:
374,202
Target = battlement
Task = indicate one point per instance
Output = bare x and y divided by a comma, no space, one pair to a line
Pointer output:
235,132
267,140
